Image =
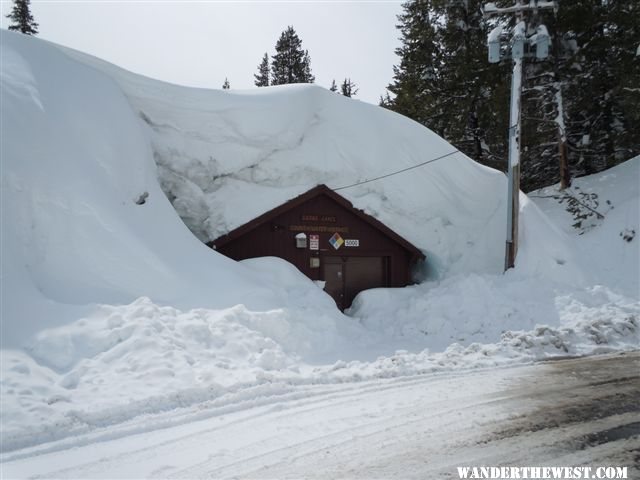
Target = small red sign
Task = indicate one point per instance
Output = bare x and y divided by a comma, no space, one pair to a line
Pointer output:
314,242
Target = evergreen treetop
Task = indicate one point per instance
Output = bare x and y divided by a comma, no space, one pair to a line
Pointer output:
22,19
580,103
416,78
308,76
262,77
291,63
348,88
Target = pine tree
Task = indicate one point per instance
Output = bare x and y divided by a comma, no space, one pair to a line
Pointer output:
334,87
444,80
262,77
416,79
308,76
625,68
602,75
348,88
474,116
586,93
290,64
386,101
226,85
579,107
543,132
22,19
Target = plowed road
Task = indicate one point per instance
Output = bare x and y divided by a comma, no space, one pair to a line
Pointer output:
564,413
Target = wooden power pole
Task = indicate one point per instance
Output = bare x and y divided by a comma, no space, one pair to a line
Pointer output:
517,52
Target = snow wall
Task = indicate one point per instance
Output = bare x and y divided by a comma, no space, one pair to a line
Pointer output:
79,141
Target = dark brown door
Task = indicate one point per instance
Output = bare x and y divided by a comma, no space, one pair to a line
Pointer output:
345,277
362,273
333,269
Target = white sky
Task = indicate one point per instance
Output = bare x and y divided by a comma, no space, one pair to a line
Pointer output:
199,43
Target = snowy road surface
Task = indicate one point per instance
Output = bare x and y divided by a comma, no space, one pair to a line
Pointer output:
570,412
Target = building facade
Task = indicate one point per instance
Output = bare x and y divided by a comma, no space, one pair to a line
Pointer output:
327,239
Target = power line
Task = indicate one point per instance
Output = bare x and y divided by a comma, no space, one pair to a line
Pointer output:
397,172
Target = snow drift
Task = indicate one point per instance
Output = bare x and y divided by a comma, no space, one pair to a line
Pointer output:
78,163
604,210
75,165
112,308
225,157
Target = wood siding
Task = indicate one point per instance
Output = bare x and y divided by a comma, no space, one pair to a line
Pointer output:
323,216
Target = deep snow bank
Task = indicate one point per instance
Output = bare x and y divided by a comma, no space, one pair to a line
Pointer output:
599,214
225,157
602,212
182,324
75,160
143,359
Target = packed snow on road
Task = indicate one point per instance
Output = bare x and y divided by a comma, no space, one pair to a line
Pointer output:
130,349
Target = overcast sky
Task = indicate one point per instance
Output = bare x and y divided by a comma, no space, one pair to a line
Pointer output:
199,43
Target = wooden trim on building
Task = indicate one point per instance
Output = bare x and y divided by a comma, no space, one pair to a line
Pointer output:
414,252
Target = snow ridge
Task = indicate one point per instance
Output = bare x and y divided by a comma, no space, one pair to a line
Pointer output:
115,318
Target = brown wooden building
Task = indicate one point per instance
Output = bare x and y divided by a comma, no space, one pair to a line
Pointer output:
328,239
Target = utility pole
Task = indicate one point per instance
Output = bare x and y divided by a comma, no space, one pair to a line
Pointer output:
519,47
565,176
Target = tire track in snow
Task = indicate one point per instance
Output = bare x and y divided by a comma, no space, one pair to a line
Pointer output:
269,396
418,427
537,436
241,418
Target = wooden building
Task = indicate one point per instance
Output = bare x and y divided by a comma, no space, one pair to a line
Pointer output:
327,239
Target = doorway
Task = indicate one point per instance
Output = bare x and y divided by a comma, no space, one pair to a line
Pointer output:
334,279
345,277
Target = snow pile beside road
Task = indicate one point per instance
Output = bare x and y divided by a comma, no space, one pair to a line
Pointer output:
128,360
463,309
480,309
603,212
595,322
84,220
121,312
144,359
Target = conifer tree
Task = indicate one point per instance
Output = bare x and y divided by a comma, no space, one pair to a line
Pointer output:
348,88
415,79
625,68
290,64
542,119
22,19
444,81
584,93
308,76
262,77
226,85
579,105
467,102
601,75
386,101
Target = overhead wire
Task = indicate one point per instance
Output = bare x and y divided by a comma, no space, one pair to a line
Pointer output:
398,171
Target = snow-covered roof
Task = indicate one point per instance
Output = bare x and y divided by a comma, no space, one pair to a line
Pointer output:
226,157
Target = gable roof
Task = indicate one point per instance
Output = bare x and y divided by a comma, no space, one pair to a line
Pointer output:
299,200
